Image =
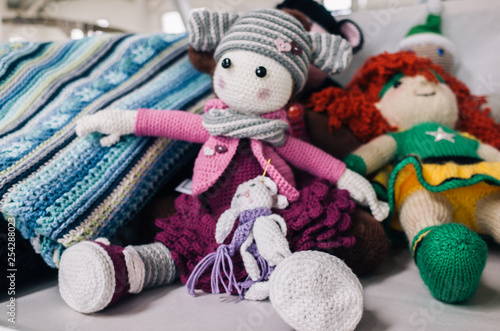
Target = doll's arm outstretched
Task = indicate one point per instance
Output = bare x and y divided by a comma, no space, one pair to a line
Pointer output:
114,123
317,162
372,156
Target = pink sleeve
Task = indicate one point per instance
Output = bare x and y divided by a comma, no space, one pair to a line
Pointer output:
311,159
172,124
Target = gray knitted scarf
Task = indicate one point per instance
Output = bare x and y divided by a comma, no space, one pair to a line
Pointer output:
231,123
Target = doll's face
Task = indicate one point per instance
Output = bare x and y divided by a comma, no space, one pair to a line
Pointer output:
252,83
252,194
437,54
414,100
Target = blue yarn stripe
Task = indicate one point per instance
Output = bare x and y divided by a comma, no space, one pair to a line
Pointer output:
50,180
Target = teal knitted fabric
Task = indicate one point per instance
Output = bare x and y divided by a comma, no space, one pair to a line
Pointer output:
451,259
62,189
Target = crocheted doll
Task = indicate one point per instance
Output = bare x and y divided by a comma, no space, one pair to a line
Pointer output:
444,186
260,235
261,58
427,40
321,20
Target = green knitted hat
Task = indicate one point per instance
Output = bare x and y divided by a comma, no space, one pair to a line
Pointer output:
428,33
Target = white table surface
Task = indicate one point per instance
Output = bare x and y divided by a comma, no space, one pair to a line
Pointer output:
395,299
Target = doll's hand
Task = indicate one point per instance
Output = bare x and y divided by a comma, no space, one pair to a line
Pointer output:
269,236
362,192
111,122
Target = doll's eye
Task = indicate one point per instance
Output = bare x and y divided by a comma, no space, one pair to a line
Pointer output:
261,72
226,63
252,185
440,51
237,196
397,84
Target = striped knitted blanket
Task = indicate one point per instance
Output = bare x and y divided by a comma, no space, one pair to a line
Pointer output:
59,188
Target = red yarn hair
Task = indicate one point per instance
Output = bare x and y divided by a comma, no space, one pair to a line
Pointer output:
355,108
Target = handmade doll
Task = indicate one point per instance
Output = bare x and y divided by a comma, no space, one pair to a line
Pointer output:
370,250
321,20
444,186
261,59
260,237
427,40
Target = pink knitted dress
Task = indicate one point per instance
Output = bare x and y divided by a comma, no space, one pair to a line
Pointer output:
317,220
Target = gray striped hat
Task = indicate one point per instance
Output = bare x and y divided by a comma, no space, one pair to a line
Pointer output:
272,33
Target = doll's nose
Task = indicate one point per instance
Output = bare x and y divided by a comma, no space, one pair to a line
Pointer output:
246,194
423,87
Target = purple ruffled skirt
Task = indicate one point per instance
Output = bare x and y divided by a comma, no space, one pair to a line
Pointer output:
319,220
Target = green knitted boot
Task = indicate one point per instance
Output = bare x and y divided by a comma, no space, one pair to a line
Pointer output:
451,259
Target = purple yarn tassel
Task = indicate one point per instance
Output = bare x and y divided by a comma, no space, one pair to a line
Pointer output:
225,252
218,259
199,270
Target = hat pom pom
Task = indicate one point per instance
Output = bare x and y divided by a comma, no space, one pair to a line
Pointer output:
434,7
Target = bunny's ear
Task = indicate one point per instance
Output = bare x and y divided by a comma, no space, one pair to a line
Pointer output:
330,53
281,202
207,28
271,185
225,225
352,32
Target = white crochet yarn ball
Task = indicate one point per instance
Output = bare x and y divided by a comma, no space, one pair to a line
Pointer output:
86,277
312,290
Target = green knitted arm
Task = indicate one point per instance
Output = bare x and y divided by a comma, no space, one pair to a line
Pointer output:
355,163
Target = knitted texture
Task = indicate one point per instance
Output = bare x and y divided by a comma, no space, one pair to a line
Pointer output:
434,143
489,209
87,278
272,33
94,275
451,259
159,268
231,123
60,189
357,187
316,291
371,247
217,153
321,16
355,106
260,236
319,219
430,34
114,122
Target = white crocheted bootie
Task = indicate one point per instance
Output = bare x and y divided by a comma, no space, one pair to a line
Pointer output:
95,274
312,290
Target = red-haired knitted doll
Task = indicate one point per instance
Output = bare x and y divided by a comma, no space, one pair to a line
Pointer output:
444,186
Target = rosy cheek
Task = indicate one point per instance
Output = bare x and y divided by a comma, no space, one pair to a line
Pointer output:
264,93
221,83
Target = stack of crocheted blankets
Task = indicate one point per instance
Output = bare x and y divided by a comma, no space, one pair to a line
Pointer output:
62,189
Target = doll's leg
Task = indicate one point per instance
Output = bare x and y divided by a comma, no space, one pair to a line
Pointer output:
423,209
449,256
371,246
488,215
93,275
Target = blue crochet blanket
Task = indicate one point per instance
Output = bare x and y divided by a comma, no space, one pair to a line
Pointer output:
59,188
